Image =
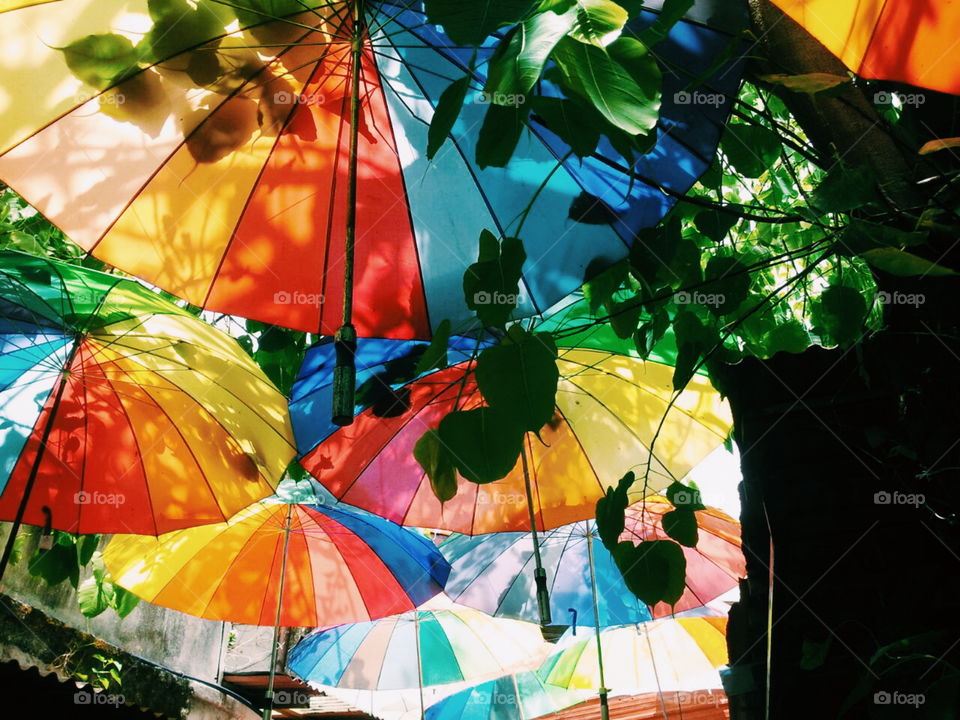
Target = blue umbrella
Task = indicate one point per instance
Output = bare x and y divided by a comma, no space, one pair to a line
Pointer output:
494,573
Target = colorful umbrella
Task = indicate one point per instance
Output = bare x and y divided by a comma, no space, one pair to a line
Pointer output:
515,697
282,564
494,573
438,646
121,412
206,147
341,566
609,406
659,656
913,43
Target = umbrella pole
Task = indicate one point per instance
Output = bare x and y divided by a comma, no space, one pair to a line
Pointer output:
35,470
539,574
604,708
345,341
416,634
268,706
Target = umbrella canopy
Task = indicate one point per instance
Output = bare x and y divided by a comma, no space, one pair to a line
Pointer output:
665,655
886,40
494,573
129,414
205,148
609,406
431,647
514,697
341,566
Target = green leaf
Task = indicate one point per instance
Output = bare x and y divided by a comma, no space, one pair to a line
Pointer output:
860,235
791,337
610,511
591,210
904,264
650,333
729,283
681,525
445,115
469,23
693,342
671,13
575,123
499,134
520,57
684,497
55,565
86,547
598,22
484,443
519,376
491,286
94,596
101,61
662,256
844,189
814,654
838,315
178,27
438,463
624,317
715,224
435,356
622,82
601,286
655,570
751,149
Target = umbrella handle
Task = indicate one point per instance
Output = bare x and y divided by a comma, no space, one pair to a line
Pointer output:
344,375
604,707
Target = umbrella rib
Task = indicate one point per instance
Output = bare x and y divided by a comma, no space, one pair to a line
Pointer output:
486,566
406,195
598,367
331,200
456,144
389,440
216,381
176,429
376,531
150,66
227,246
642,443
136,441
242,87
343,558
240,553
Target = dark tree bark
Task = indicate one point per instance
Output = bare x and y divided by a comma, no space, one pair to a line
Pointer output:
828,436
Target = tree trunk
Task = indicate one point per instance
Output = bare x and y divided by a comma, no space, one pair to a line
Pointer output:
850,463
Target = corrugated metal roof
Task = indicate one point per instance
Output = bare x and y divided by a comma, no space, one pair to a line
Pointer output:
696,705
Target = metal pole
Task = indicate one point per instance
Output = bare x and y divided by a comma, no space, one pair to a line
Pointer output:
35,470
539,574
416,633
604,708
268,707
345,341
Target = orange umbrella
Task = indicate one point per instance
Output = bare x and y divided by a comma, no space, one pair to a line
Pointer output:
909,42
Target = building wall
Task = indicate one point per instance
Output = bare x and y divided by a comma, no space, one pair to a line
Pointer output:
186,644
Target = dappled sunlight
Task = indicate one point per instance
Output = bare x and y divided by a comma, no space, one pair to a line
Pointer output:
163,422
609,409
